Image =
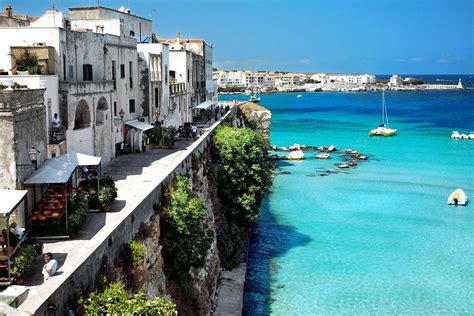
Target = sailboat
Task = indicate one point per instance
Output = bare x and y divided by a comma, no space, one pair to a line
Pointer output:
255,97
383,129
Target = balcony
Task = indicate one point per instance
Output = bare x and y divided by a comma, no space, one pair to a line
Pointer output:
86,87
177,87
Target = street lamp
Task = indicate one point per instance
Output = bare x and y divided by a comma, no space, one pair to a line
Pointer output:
121,114
33,154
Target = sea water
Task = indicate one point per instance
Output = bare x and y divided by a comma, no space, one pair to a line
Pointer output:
378,238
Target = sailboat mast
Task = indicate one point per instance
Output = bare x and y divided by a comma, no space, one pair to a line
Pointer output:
386,114
382,120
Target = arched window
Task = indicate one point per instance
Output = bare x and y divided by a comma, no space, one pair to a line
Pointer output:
102,107
83,115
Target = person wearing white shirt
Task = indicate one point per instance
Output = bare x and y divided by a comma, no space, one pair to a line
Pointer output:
55,121
50,267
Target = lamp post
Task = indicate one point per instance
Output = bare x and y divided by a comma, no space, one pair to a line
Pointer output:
121,114
33,154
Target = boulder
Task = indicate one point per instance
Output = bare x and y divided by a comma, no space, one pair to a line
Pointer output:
331,148
296,155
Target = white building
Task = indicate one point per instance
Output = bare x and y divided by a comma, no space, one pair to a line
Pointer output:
109,21
98,86
396,81
156,57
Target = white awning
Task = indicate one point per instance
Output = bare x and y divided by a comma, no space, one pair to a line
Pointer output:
10,199
58,170
205,105
139,125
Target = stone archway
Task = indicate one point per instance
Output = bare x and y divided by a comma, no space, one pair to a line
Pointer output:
102,107
82,118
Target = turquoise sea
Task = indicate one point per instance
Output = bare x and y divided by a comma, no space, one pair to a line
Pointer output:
380,238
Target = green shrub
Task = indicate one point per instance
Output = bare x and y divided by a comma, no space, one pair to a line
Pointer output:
185,236
78,212
115,300
24,261
137,253
28,61
162,136
107,195
243,175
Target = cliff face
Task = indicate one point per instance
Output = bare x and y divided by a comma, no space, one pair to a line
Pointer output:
257,117
150,277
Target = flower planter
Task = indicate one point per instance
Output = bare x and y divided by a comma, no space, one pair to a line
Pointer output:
106,208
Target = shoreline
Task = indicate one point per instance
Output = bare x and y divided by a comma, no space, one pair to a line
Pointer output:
428,87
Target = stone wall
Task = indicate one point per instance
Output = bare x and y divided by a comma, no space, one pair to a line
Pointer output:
140,221
22,125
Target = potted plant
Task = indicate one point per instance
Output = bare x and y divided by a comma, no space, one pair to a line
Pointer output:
23,263
28,63
107,196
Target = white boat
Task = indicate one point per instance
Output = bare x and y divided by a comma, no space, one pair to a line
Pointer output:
383,129
255,98
299,96
455,135
457,197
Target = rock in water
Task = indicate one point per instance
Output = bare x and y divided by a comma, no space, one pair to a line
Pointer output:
296,155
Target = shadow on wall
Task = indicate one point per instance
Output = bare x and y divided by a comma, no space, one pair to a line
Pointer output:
269,240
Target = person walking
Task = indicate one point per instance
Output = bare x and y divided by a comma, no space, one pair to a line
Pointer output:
194,131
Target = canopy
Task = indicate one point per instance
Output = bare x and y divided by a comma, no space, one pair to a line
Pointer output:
58,170
205,105
139,125
10,200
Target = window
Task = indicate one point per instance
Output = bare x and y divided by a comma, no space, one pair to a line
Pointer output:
115,108
188,75
130,74
156,97
82,118
87,72
166,74
70,73
113,74
132,106
132,33
122,71
64,67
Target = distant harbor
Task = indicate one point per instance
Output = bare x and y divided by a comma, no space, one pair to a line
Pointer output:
247,82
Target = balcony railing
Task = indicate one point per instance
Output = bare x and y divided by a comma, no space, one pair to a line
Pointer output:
87,87
178,87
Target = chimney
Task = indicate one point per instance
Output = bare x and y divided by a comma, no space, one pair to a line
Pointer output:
178,35
8,12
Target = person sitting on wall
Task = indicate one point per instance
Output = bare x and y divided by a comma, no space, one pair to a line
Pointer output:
50,266
17,231
55,123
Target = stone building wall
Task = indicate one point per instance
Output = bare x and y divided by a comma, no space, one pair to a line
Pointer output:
22,125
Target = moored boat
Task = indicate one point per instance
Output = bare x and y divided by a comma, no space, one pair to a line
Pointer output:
383,129
457,197
323,156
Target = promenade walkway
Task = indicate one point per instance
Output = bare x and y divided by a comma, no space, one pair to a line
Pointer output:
136,175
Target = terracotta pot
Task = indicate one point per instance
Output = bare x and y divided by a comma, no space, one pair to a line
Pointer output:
106,208
20,282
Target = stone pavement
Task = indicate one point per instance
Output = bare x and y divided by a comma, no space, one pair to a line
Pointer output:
136,175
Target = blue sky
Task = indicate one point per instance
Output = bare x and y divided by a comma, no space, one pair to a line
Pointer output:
373,36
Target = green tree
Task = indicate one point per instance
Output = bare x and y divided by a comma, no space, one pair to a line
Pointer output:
185,236
243,176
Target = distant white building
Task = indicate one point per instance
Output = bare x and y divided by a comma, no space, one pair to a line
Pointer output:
352,78
396,81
